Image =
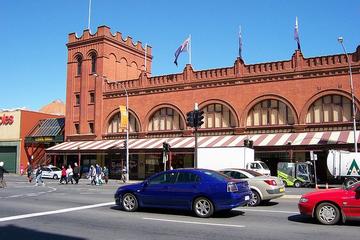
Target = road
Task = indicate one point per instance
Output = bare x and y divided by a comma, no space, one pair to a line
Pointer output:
83,211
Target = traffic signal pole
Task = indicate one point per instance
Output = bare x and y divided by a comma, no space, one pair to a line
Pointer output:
196,149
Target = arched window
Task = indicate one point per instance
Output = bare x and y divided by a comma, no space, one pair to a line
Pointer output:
330,108
165,119
217,116
114,124
79,65
270,112
93,62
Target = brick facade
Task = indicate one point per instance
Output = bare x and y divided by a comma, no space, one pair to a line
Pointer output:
297,82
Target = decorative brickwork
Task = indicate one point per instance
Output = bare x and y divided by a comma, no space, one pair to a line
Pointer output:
297,82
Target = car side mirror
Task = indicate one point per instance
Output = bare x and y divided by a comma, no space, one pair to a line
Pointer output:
357,190
145,183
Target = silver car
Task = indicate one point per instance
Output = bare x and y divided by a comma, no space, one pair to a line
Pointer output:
264,188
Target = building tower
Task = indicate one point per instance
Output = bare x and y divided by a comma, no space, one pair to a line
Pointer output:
92,60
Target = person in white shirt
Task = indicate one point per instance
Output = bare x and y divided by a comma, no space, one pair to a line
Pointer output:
69,174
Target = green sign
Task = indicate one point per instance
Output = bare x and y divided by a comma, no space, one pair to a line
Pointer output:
354,168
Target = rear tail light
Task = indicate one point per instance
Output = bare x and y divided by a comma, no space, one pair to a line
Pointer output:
271,182
232,187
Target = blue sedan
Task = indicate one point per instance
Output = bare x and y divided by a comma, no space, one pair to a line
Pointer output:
200,190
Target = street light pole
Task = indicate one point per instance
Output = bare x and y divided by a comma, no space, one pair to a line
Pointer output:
127,132
127,126
340,40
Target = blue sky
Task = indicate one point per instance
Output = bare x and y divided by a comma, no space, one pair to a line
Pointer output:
34,34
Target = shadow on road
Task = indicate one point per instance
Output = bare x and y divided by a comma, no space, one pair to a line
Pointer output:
268,204
221,214
15,232
305,219
301,219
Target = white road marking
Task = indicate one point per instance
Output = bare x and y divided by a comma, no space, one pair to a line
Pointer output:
52,189
263,210
198,223
31,215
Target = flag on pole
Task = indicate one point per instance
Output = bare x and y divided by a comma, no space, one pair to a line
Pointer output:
240,43
296,34
123,116
184,47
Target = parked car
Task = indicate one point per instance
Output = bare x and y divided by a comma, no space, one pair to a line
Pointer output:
200,190
50,172
264,188
328,206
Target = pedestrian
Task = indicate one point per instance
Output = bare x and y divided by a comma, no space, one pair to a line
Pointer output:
92,175
63,175
98,174
2,171
29,171
106,174
123,174
69,175
76,172
39,176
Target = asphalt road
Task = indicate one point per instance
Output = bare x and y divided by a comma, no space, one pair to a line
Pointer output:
83,211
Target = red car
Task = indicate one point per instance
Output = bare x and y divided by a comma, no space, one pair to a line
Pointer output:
329,205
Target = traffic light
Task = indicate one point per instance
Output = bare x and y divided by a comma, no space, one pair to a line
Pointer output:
166,147
190,119
124,144
248,143
199,117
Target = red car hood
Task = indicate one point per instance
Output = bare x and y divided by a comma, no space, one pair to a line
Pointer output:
328,192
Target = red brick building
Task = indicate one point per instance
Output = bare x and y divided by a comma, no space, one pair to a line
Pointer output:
286,107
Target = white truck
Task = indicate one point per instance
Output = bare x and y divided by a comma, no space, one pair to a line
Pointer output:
344,165
218,158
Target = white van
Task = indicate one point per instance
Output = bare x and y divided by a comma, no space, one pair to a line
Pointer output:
258,166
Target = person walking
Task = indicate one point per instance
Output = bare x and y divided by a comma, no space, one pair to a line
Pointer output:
29,172
98,175
63,175
39,176
76,172
2,171
106,174
123,174
92,175
69,175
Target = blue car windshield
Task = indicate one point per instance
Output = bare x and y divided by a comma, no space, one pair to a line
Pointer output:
217,175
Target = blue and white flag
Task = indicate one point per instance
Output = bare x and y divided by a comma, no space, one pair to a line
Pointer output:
296,34
184,47
240,43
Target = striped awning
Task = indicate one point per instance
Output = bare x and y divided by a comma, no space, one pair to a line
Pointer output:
277,139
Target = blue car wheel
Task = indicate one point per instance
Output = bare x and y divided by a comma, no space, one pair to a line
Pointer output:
203,207
129,202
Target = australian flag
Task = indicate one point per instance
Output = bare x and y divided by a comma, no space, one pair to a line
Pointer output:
183,48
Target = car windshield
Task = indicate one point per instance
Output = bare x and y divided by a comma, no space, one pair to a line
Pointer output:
55,169
264,166
217,175
355,184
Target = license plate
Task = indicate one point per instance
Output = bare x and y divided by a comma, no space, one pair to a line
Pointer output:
281,189
247,198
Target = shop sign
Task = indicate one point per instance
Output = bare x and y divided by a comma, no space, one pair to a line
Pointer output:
6,120
43,139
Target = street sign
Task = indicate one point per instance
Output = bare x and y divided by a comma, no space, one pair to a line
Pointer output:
312,155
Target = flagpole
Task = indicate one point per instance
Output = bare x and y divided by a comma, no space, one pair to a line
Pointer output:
190,49
89,15
145,55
